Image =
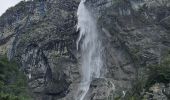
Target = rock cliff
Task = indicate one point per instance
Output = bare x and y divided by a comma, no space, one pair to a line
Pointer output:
41,36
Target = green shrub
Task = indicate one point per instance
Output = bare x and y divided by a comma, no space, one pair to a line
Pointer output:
159,73
13,85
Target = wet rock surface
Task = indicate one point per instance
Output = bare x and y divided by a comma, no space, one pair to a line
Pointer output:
101,89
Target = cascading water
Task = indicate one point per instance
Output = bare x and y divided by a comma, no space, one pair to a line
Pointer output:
90,49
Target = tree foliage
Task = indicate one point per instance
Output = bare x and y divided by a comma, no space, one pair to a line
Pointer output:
13,85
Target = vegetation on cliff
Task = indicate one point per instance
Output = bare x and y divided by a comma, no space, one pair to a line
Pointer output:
13,85
159,73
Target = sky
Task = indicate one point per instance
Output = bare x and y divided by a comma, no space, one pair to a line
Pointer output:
5,4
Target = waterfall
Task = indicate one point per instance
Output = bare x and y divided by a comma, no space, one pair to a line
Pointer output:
90,46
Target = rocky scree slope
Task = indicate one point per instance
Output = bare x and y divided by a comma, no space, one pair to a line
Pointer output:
41,36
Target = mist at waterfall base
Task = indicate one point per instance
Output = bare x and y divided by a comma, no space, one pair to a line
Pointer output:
90,47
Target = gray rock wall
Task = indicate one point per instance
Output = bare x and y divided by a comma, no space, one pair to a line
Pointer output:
41,36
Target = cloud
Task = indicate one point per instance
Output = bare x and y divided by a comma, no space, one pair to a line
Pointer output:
5,4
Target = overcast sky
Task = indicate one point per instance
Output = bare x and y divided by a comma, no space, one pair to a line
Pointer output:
5,4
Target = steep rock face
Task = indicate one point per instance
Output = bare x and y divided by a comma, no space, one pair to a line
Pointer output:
136,35
41,35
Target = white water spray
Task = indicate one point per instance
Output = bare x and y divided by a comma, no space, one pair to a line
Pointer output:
90,49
